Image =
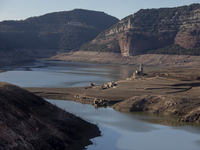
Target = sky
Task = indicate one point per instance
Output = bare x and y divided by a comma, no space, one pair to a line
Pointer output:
22,9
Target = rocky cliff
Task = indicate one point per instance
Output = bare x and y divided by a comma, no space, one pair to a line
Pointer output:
151,29
29,122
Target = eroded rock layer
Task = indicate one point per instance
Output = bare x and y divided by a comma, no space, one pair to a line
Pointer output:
151,29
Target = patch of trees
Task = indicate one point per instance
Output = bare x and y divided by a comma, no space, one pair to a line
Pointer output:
52,31
5,47
164,23
155,20
176,49
108,47
99,20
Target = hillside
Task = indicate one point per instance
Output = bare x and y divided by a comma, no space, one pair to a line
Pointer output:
59,31
152,31
29,122
9,56
152,61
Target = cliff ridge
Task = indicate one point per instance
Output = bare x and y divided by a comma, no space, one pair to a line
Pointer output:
151,29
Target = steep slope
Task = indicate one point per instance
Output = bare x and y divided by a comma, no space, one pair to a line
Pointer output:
66,30
29,122
10,56
151,29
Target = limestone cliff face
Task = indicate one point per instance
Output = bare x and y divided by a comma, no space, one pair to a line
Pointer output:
139,43
188,39
152,29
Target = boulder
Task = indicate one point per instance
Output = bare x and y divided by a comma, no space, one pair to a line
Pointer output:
91,84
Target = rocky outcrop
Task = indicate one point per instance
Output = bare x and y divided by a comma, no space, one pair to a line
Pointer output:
139,43
170,92
167,105
29,122
193,116
188,38
151,29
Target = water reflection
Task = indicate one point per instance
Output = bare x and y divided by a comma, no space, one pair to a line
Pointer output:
132,131
106,116
106,140
123,71
64,74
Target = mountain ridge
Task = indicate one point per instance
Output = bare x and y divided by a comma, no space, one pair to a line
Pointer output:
47,35
54,31
151,29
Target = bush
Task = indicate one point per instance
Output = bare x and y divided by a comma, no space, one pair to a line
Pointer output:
176,49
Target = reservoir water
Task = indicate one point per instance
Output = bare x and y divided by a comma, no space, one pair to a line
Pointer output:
132,131
64,74
120,131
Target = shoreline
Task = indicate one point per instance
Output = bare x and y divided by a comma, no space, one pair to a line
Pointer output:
33,120
179,83
172,92
110,58
160,61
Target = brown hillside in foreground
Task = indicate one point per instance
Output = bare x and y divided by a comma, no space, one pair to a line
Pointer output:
29,122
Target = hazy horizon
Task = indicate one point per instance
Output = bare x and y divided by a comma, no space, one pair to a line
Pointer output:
21,9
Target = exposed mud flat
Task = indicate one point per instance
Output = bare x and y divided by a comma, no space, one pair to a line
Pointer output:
172,92
117,58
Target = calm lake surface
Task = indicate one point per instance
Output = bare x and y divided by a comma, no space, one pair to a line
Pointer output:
63,74
120,131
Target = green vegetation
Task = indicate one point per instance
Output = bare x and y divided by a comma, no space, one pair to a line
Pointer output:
155,20
4,47
98,20
52,31
109,47
156,28
195,32
175,49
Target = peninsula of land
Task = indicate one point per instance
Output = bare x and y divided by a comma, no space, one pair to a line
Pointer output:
172,92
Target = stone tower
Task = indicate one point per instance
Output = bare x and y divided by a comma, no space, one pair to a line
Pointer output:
141,68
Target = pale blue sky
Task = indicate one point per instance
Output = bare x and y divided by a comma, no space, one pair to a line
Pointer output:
22,9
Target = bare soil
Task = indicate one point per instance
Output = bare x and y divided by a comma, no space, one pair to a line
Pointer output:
172,92
116,58
29,122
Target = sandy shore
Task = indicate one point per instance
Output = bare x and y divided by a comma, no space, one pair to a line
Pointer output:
172,92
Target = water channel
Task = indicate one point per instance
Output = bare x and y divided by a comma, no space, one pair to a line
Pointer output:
120,131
